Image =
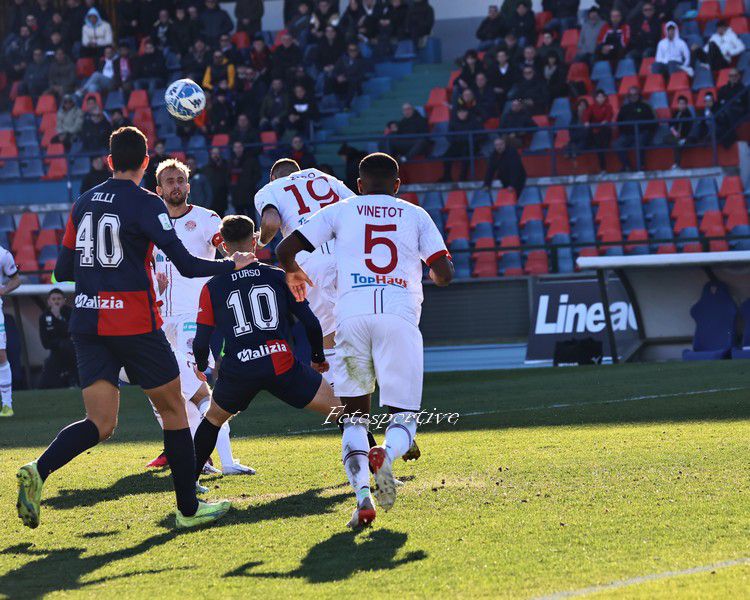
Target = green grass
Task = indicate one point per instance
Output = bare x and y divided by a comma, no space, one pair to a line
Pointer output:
525,501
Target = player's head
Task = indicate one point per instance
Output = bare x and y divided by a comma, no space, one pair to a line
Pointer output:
378,174
128,151
283,168
56,297
172,184
238,232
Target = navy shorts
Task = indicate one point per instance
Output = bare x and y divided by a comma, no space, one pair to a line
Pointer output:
148,358
297,387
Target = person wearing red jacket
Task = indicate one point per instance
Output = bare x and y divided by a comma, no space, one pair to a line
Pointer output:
600,113
614,38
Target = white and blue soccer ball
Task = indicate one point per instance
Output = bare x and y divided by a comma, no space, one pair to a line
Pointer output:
185,99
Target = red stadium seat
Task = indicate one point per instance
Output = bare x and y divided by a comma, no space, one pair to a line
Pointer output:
626,83
531,212
56,150
48,135
541,19
460,232
58,169
654,83
22,105
712,224
733,8
557,213
607,211
735,205
645,69
512,242
456,218
685,221
683,206
555,194
708,11
579,71
485,265
541,120
8,149
410,197
438,97
605,192
482,214
439,114
681,188
739,25
506,197
138,99
269,138
636,235
656,188
49,122
241,40
723,78
85,67
46,104
537,263
562,139
48,266
220,140
47,237
456,199
678,82
731,185
569,38
28,222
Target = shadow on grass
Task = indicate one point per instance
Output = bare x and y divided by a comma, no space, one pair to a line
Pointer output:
340,556
146,482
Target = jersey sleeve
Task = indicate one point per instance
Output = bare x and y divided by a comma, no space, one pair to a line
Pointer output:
206,308
341,189
320,228
9,265
431,243
263,199
213,224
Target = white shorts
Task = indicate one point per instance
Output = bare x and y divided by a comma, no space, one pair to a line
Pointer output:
180,331
3,337
321,269
383,348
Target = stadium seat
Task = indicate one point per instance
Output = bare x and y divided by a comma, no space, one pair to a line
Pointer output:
480,197
705,204
52,220
439,114
85,67
138,99
410,197
637,235
47,237
458,232
532,234
625,68
605,192
115,99
680,188
482,230
645,69
510,264
482,214
715,315
733,8
506,197
405,51
57,169
47,254
531,212
656,188
626,83
630,190
731,185
537,263
456,199
678,82
706,186
580,193
601,70
555,194
22,105
530,195
702,79
654,83
46,104
457,218
32,169
485,262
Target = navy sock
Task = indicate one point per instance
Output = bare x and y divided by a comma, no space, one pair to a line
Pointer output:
69,443
178,446
205,442
371,439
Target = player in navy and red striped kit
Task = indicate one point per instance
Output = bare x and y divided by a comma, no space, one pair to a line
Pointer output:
107,248
253,310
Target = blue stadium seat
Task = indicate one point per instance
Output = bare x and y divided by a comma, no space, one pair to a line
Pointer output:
52,220
436,214
743,230
702,79
7,223
659,100
431,199
706,203
395,70
48,253
743,350
480,198
329,104
157,98
505,221
31,151
461,258
625,67
482,230
560,107
530,195
614,251
608,85
405,50
26,137
630,189
79,166
10,170
579,194
510,260
706,186
663,232
377,86
172,143
6,120
601,70
197,142
32,169
715,315
431,52
744,61
533,233
25,121
115,99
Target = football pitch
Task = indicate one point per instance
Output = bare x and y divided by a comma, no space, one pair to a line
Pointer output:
615,481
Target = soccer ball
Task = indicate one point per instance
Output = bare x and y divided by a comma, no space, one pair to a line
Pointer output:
185,99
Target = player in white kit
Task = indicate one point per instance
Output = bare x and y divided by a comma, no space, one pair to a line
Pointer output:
286,202
198,229
381,243
11,280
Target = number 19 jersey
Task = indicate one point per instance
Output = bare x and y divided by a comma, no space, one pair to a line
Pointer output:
381,242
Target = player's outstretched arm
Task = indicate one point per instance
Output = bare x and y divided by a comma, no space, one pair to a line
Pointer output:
314,332
202,345
270,223
442,271
286,252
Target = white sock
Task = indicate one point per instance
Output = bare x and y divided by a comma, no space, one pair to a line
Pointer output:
156,414
6,384
330,354
194,417
223,445
400,434
354,449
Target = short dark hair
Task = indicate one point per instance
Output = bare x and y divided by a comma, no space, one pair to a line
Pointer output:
237,228
379,169
128,147
682,98
284,167
55,291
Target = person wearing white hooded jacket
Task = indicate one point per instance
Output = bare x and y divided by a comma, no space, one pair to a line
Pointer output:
721,48
672,53
96,34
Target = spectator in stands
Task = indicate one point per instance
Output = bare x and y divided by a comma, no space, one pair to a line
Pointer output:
463,146
148,13
505,164
555,77
69,121
300,77
260,57
124,69
706,121
468,101
97,174
680,128
352,157
162,30
299,26
486,99
274,107
59,26
565,14
348,75
106,78
62,74
220,113
60,366
511,47
614,38
195,62
301,154
412,123
721,48
194,19
286,56
36,77
351,20
664,9
469,69
15,14
549,46
523,24
492,28
249,15
96,34
515,120
329,50
597,119
159,154
502,77
217,174
117,119
17,50
229,50
326,13
577,132
127,20
393,21
55,42
303,111
368,30
75,15
244,173
182,33
672,53
150,70
200,187
530,58
532,91
420,19
733,98
639,134
95,131
219,70
645,32
215,21
243,132
43,12
250,90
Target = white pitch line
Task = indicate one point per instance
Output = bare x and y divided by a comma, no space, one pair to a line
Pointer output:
645,579
563,405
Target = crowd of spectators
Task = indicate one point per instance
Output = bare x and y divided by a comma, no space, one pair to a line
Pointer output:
251,86
508,83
